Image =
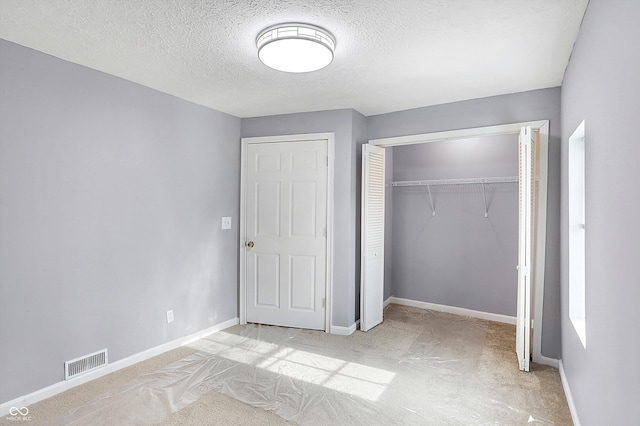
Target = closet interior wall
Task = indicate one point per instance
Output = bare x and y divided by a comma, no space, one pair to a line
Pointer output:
457,257
388,225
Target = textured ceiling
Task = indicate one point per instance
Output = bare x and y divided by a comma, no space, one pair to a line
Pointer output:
391,54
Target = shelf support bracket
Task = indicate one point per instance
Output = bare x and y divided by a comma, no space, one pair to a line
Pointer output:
433,209
484,195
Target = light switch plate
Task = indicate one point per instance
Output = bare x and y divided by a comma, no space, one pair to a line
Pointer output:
226,223
170,316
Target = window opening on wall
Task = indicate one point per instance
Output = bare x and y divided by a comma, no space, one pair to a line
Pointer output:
577,232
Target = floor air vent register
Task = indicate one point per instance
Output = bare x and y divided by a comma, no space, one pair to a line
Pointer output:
84,364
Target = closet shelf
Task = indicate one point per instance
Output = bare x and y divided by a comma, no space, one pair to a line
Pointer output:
436,182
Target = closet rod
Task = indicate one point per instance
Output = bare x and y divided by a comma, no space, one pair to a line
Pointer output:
435,182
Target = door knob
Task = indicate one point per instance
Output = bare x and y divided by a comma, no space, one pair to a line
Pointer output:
250,244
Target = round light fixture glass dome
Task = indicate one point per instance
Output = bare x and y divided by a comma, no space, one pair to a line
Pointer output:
295,47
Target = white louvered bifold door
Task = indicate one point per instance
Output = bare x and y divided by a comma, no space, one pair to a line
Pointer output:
372,237
525,247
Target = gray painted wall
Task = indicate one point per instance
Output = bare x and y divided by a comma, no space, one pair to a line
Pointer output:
602,87
457,257
110,202
359,137
341,123
526,106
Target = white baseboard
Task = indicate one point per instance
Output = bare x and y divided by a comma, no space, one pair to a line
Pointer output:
59,387
567,393
386,302
453,310
545,360
344,331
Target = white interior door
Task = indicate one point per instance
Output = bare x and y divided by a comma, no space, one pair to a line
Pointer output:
286,233
372,237
525,247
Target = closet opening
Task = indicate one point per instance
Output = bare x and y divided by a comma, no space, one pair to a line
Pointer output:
460,225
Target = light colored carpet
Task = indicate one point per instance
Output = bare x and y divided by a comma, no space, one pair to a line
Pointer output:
418,367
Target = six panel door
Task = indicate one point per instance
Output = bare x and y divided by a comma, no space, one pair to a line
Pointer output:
286,222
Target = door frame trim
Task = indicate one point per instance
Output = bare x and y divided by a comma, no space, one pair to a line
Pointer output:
541,212
242,279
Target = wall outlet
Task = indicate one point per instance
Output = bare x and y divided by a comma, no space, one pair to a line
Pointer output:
226,223
170,316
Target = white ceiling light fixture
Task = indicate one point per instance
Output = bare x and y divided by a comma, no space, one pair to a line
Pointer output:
295,47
